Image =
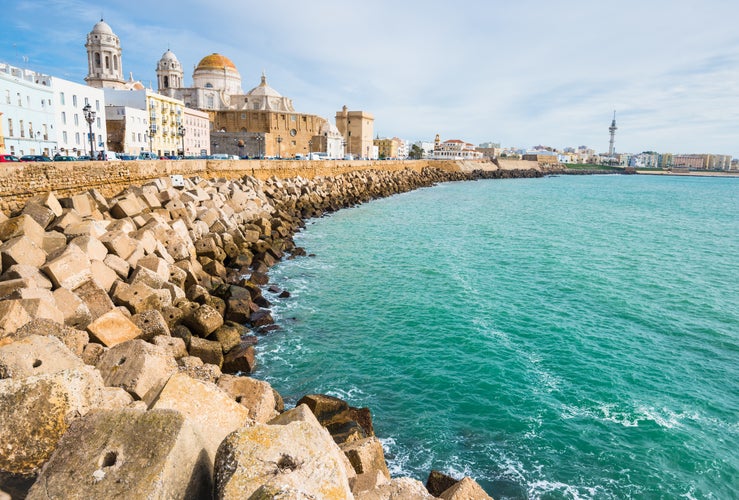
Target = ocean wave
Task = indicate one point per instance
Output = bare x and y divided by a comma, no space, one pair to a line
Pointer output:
541,488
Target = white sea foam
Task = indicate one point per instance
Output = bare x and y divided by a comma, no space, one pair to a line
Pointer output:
541,488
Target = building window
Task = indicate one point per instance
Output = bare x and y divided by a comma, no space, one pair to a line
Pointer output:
20,101
97,105
74,101
23,131
97,59
87,101
64,137
64,117
10,127
107,62
76,119
61,98
7,97
77,138
115,63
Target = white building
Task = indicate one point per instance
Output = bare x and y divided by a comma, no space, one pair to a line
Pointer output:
454,149
72,129
128,129
197,132
26,104
426,147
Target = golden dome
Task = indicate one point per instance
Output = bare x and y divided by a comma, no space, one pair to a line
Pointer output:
215,61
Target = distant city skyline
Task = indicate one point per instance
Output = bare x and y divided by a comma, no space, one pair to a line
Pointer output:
525,74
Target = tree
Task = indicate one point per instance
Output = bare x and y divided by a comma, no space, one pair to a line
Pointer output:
416,153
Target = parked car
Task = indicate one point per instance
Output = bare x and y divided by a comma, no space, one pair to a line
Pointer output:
64,158
106,155
34,158
8,158
147,155
126,157
83,158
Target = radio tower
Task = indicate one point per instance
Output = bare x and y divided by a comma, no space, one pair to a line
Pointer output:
612,129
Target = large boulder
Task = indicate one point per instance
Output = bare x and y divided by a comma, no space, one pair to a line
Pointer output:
140,368
127,454
401,488
213,414
36,355
257,396
297,455
466,489
368,461
36,411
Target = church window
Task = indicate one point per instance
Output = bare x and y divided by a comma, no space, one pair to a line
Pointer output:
115,63
97,59
208,85
211,103
107,62
166,82
292,118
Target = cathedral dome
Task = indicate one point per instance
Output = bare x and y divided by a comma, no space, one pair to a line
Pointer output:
215,61
102,28
263,90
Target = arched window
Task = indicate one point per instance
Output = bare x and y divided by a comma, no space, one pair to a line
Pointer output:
115,63
107,62
166,82
97,59
209,85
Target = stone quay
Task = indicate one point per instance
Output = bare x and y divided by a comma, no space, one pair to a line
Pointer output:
128,326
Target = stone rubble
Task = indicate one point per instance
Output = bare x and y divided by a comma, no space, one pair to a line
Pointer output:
127,335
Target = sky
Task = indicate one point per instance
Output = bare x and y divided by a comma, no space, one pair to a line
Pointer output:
522,73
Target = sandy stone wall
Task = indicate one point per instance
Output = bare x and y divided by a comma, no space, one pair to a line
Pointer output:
19,182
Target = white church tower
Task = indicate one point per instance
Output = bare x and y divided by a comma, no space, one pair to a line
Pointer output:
104,65
169,74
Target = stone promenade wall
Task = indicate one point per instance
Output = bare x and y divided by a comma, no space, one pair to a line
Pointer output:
19,182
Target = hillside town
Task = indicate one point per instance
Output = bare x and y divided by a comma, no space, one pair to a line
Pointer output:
44,117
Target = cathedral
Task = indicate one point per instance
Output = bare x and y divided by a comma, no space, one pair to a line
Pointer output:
257,123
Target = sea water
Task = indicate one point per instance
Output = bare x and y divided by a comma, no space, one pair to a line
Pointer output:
563,337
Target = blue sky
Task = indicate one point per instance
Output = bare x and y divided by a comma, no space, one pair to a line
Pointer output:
521,73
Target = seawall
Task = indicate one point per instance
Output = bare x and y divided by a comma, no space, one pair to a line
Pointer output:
21,181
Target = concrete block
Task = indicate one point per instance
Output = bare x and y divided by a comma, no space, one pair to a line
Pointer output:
203,321
98,458
177,276
195,368
175,347
70,269
21,271
207,350
81,203
151,323
146,276
92,246
21,250
117,264
75,310
36,355
119,243
274,459
36,411
23,225
140,368
240,359
41,214
156,264
399,487
211,411
53,242
257,396
466,489
96,298
50,201
137,298
74,339
113,328
68,218
9,287
228,335
368,460
103,275
88,227
40,308
126,207
146,239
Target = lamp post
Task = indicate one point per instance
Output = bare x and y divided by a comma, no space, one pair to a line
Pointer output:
89,118
260,140
279,146
181,133
310,147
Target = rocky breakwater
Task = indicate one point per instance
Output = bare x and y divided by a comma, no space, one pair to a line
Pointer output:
127,334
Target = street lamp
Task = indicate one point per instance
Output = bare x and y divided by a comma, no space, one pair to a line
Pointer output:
181,133
89,118
279,146
260,140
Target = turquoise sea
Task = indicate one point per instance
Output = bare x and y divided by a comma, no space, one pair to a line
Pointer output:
563,337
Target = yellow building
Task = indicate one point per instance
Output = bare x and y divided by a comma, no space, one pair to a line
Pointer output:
387,148
165,118
357,128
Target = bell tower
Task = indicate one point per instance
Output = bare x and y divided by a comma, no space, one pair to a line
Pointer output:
104,65
169,74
